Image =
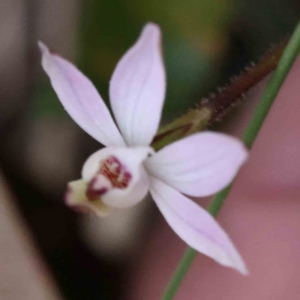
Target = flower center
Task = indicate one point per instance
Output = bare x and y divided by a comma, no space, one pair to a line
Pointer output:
111,174
112,168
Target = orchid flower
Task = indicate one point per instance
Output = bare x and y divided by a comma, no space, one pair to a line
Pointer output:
121,174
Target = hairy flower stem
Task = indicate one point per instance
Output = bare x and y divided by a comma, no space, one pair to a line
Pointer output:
286,61
216,105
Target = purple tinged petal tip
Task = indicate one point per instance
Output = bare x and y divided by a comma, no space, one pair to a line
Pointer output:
196,226
137,88
199,165
80,98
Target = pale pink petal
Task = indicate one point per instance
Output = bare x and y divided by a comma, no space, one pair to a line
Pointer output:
117,174
137,88
199,165
81,99
76,198
195,226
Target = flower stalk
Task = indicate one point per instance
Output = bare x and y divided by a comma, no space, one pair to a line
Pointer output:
213,108
285,63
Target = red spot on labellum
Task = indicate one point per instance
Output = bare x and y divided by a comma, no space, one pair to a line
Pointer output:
113,170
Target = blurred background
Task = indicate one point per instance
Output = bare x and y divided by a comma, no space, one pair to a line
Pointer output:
72,256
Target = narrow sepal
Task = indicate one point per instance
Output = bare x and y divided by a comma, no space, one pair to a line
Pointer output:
195,226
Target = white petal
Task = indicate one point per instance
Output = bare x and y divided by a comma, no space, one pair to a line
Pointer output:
129,161
195,226
199,165
137,89
76,198
81,99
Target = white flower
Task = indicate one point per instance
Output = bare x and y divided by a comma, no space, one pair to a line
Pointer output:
120,175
